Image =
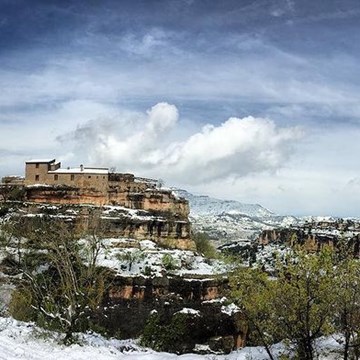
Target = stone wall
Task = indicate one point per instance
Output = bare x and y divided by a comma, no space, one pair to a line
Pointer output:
36,173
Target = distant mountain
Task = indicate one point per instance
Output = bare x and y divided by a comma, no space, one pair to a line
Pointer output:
229,220
205,205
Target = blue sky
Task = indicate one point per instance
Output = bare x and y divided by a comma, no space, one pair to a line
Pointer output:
250,100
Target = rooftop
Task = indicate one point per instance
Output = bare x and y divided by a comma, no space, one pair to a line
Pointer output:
83,170
44,161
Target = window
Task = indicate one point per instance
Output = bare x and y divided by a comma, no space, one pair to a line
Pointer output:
37,177
37,166
56,177
72,177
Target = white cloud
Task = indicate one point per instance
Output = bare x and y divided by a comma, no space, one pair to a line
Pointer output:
236,147
162,116
322,177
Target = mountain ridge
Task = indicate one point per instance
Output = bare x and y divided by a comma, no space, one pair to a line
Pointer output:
206,205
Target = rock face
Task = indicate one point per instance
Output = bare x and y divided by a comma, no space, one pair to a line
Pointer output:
174,303
164,228
166,288
315,235
148,199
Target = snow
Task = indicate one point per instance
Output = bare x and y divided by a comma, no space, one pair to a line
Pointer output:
40,161
19,340
113,212
205,205
189,311
84,170
230,309
130,257
215,301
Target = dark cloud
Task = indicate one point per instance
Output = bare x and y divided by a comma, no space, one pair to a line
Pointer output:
38,23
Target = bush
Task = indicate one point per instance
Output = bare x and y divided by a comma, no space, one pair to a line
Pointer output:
169,262
204,246
176,335
20,305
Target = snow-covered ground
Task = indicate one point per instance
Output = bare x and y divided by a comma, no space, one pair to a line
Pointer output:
133,258
19,340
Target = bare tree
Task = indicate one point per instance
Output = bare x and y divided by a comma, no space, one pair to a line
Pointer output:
66,285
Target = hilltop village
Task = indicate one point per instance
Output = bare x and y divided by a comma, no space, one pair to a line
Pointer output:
46,181
140,208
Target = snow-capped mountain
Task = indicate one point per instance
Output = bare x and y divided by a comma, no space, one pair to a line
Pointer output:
205,205
230,220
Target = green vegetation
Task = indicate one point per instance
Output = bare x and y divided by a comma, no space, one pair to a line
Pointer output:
311,296
204,245
131,257
169,262
11,193
174,335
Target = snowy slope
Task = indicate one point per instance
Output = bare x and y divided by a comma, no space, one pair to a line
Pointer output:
205,205
230,220
19,340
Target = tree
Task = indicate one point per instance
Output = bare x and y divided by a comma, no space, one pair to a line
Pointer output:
347,310
296,307
303,300
64,285
204,245
252,291
10,192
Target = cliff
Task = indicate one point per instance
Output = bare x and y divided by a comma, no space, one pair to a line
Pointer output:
316,235
162,227
147,199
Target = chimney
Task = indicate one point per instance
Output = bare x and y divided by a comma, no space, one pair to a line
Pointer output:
81,167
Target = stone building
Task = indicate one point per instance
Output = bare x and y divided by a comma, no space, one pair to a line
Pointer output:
46,181
50,172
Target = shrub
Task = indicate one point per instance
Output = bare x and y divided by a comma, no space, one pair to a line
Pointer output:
20,305
176,335
204,245
169,262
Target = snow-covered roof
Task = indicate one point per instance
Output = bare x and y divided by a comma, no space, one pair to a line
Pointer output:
84,170
40,161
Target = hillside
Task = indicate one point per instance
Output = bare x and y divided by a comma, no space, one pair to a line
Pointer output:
230,220
205,205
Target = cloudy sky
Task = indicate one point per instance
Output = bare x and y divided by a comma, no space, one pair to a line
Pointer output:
254,100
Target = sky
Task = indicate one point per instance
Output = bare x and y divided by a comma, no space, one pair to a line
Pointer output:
251,100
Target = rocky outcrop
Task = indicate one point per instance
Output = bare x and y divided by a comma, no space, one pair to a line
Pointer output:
164,228
159,214
165,288
173,303
146,199
310,239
